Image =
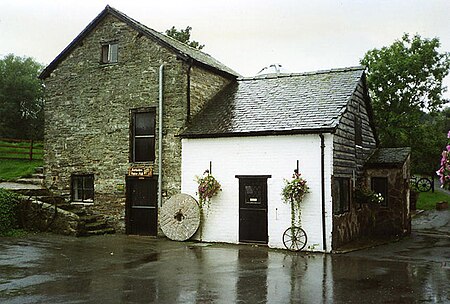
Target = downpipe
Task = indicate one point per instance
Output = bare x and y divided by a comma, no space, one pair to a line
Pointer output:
322,177
160,131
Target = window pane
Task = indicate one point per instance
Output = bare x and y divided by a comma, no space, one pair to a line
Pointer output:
83,188
144,149
113,50
105,51
77,188
336,196
345,194
253,194
145,123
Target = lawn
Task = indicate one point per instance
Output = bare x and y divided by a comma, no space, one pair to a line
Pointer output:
20,150
13,169
428,200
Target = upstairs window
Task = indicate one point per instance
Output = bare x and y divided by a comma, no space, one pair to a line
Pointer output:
341,195
143,135
109,53
82,188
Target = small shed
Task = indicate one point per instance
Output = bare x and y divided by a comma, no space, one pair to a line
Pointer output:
388,172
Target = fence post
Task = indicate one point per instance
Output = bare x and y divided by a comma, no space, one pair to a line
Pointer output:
31,150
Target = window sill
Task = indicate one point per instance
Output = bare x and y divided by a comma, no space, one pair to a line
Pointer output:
107,64
82,203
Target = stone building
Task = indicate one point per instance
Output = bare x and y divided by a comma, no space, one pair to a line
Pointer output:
132,116
103,117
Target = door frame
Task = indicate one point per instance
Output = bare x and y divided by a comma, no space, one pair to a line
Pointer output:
128,206
262,179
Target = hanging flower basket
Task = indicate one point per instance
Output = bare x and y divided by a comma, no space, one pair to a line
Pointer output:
293,193
208,187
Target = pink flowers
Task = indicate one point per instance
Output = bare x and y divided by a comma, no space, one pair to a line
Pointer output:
444,170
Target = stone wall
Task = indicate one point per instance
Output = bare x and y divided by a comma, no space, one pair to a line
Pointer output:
371,220
88,105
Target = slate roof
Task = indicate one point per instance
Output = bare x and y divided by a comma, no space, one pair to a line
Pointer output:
289,103
390,157
182,50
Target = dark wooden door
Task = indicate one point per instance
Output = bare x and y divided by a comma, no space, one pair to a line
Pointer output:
141,206
253,209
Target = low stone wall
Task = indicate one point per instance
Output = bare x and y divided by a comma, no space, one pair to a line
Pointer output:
39,216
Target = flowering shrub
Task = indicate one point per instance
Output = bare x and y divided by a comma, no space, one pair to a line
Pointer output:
294,192
208,186
364,195
444,170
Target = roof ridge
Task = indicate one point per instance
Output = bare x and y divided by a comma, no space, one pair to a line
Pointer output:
318,72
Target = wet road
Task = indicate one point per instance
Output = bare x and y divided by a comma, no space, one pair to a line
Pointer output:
122,269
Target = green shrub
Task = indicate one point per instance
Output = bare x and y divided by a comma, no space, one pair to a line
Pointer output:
8,207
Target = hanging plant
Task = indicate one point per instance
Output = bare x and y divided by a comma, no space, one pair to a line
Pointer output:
294,192
208,187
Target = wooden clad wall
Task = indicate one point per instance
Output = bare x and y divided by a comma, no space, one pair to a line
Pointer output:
349,155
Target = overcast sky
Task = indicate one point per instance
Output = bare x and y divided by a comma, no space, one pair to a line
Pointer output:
245,35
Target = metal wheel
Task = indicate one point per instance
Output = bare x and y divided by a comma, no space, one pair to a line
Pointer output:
423,184
294,238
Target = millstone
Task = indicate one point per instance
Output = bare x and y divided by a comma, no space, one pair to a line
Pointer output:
180,217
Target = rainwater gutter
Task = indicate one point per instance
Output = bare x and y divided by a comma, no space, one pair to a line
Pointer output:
160,131
322,171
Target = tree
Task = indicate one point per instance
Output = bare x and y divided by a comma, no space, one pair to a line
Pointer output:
184,36
21,98
405,83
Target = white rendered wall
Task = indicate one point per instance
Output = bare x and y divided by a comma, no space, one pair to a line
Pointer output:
264,155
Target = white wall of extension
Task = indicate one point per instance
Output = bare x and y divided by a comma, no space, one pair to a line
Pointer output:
261,155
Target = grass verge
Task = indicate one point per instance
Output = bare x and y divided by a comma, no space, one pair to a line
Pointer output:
13,169
428,200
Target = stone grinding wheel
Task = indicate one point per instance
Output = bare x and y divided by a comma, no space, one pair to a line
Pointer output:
180,217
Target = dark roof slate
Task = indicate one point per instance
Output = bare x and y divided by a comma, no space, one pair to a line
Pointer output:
184,51
287,103
389,157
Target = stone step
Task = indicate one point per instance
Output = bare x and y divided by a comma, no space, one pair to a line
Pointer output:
38,176
98,225
87,219
33,181
101,232
32,191
58,200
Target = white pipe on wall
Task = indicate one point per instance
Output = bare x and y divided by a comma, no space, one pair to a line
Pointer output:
160,131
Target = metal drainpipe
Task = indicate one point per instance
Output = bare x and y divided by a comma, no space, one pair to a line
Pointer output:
322,169
160,132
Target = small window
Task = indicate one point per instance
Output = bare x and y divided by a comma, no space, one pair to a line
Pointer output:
358,131
82,189
341,195
109,53
143,136
380,186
